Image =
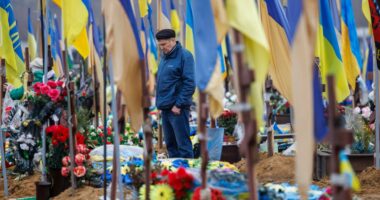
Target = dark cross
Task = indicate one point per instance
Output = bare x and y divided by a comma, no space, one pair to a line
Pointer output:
270,134
203,114
339,137
159,129
96,95
71,118
27,67
249,144
147,127
50,59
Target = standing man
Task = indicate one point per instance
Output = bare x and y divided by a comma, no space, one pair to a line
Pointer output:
175,88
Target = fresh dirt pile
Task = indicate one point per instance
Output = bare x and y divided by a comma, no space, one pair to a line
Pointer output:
82,193
370,183
276,169
25,187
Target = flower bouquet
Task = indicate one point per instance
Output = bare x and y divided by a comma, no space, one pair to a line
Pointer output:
358,120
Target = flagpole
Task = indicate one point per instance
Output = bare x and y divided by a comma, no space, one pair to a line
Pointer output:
2,141
116,140
377,110
42,27
104,109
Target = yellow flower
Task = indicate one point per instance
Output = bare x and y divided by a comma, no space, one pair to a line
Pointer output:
162,192
142,192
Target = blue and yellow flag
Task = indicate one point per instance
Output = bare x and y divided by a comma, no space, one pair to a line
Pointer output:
32,44
189,35
153,54
127,55
163,16
368,65
243,16
143,8
174,18
352,60
329,53
10,44
75,18
54,35
276,27
207,71
347,171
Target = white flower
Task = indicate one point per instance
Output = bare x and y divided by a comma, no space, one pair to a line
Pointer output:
93,134
366,112
357,110
29,136
24,147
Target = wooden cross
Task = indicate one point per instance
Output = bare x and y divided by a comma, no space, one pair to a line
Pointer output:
248,146
203,114
96,95
2,146
339,137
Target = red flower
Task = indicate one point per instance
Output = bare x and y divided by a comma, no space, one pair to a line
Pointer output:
83,93
215,194
65,171
37,87
165,172
81,148
79,159
66,161
101,135
59,83
180,181
51,84
45,89
54,142
59,132
79,138
53,94
79,171
8,109
108,142
109,131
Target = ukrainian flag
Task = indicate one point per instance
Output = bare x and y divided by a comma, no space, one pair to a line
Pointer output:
164,16
329,53
143,7
152,54
243,16
32,44
352,60
189,35
346,169
75,18
10,44
174,18
55,47
207,63
276,27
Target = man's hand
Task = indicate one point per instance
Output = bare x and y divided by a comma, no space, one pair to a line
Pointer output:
176,110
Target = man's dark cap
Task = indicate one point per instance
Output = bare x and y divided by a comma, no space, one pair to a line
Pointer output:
165,34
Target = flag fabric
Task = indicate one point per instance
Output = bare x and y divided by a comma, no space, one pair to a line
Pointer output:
153,54
276,27
174,18
94,59
367,14
32,43
242,15
346,169
207,67
55,46
10,44
368,65
220,19
320,124
329,53
143,8
303,22
352,60
189,35
375,17
127,55
75,18
335,16
163,16
145,42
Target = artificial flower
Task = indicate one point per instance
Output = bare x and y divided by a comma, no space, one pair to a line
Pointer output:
79,171
79,138
65,171
79,159
52,84
81,148
45,89
142,192
59,83
180,181
53,94
366,112
37,87
66,161
162,192
215,194
24,146
357,110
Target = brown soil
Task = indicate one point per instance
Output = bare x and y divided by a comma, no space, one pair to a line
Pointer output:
370,183
275,169
82,193
20,188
